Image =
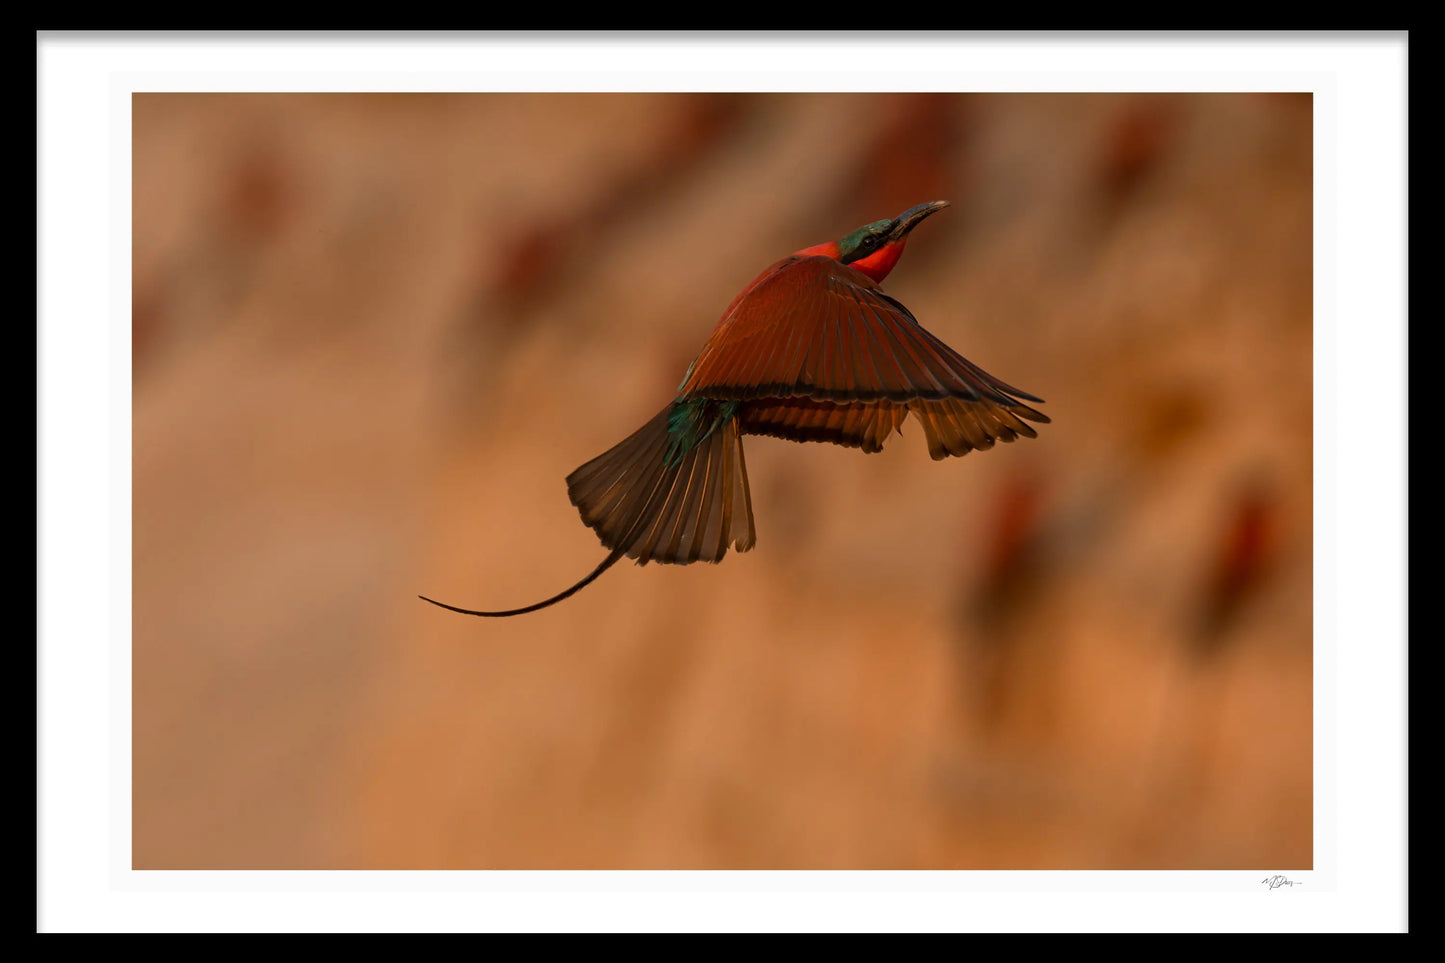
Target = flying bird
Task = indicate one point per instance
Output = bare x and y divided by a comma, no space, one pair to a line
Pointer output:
811,350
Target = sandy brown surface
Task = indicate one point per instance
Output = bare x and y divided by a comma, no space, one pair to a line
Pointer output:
372,335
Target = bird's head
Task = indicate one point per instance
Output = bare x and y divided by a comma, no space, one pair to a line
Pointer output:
875,248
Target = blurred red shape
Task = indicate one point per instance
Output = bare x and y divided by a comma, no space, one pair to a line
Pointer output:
1135,143
1242,560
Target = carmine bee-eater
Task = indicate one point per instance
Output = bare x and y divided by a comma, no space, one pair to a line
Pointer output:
812,350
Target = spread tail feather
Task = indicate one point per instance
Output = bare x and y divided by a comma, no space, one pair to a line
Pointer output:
654,508
648,502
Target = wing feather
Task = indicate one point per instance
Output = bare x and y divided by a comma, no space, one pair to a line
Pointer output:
814,328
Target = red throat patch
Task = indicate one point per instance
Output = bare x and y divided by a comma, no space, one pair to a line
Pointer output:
880,262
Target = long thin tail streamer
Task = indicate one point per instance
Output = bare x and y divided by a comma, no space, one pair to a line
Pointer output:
650,510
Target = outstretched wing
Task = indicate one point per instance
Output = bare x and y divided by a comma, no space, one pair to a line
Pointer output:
951,426
814,328
853,424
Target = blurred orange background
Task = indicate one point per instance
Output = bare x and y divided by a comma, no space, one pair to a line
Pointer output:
373,333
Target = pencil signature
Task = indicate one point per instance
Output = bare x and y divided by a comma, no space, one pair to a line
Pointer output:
1275,882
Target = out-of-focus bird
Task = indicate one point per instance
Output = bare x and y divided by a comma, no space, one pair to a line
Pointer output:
1243,555
811,350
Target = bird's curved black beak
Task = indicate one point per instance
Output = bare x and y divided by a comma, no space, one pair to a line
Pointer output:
912,217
